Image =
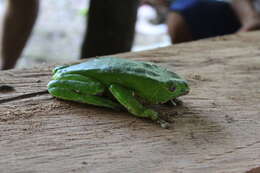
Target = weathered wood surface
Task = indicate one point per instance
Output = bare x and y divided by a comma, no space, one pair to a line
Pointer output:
216,130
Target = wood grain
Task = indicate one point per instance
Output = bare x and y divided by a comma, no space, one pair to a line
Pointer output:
216,130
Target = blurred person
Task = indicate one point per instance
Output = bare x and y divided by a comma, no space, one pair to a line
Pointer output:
111,25
18,22
196,19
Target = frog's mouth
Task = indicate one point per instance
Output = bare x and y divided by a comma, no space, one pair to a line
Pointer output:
186,91
183,90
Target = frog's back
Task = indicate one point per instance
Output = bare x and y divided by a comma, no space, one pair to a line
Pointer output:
122,66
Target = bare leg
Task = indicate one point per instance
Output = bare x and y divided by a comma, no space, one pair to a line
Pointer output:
178,28
111,26
247,14
18,23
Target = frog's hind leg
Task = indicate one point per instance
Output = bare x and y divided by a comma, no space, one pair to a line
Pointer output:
78,88
126,98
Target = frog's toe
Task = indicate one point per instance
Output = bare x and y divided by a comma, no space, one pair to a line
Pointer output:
173,102
163,124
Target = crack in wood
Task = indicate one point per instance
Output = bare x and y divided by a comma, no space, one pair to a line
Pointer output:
24,96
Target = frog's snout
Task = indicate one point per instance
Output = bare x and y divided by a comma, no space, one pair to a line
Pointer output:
186,92
185,89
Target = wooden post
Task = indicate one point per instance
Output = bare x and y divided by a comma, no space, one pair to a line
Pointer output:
111,26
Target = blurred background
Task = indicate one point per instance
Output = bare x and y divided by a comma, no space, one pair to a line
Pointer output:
59,31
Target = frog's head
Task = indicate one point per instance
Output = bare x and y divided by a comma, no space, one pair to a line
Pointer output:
177,87
167,91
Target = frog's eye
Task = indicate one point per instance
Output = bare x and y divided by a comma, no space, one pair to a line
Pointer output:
173,88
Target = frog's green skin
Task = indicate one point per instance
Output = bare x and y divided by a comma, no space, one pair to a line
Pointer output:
129,82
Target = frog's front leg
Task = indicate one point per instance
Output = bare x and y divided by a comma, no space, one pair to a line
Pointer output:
126,98
174,102
79,88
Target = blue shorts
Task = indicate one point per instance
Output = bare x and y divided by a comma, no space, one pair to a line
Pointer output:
207,18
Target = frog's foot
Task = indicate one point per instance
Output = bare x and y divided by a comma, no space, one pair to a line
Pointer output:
80,89
126,98
174,102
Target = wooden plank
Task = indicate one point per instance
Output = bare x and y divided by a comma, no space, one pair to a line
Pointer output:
216,130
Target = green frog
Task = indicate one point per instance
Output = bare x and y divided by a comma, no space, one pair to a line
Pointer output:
118,83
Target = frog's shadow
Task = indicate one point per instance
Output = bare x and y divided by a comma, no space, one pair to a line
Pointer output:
186,121
181,117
